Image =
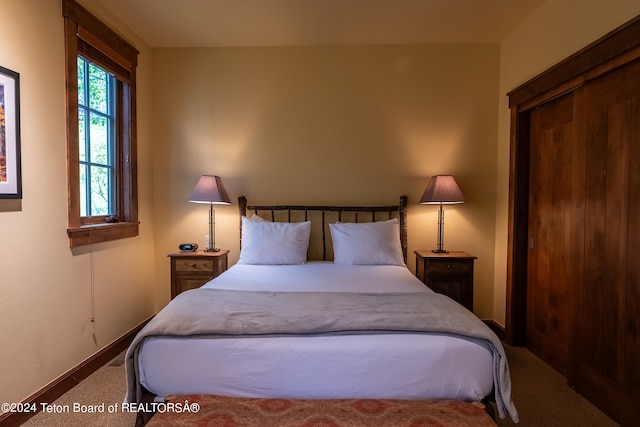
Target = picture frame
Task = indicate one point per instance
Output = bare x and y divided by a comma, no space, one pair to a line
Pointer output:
10,162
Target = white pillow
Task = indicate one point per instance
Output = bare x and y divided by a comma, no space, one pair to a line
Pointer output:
256,218
367,243
265,242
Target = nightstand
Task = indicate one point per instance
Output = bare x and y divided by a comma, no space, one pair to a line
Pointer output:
191,270
448,273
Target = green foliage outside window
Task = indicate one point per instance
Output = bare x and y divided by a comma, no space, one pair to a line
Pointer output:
96,118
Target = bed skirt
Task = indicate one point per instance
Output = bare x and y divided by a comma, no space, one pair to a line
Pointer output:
254,412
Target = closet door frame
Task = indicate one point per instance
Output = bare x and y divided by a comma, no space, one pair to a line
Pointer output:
614,50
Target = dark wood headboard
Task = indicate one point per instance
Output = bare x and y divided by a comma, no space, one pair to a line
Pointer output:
324,215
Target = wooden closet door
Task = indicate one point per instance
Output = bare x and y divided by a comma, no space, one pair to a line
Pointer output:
550,180
607,333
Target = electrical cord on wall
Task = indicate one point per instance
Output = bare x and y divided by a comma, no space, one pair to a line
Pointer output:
93,291
92,280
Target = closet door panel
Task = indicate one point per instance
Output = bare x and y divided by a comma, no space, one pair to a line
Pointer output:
549,273
632,337
605,212
607,355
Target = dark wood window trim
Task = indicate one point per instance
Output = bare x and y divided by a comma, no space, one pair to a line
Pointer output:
86,35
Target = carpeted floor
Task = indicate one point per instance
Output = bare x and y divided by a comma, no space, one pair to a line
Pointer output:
544,399
541,395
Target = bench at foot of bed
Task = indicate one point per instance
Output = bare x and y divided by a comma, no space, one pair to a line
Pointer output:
219,410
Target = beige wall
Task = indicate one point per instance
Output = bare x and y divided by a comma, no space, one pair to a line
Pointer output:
556,30
328,125
48,293
303,125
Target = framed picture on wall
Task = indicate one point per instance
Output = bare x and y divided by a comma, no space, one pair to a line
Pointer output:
10,172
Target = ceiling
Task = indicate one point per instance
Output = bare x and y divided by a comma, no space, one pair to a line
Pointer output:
205,23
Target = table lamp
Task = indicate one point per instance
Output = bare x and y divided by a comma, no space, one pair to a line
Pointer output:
210,189
442,190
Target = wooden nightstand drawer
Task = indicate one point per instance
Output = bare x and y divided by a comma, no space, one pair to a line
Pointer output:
196,265
185,284
449,273
450,266
190,270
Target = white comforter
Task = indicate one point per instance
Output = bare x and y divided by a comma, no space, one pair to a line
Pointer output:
402,366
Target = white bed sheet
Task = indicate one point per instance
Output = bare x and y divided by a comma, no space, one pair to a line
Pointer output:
400,366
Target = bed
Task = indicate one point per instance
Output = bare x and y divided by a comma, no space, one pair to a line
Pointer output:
320,305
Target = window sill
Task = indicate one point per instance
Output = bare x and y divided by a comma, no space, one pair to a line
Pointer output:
96,233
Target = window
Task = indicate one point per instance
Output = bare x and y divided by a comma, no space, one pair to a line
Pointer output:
96,139
101,130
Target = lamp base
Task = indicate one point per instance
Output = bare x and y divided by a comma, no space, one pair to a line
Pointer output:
212,250
440,245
